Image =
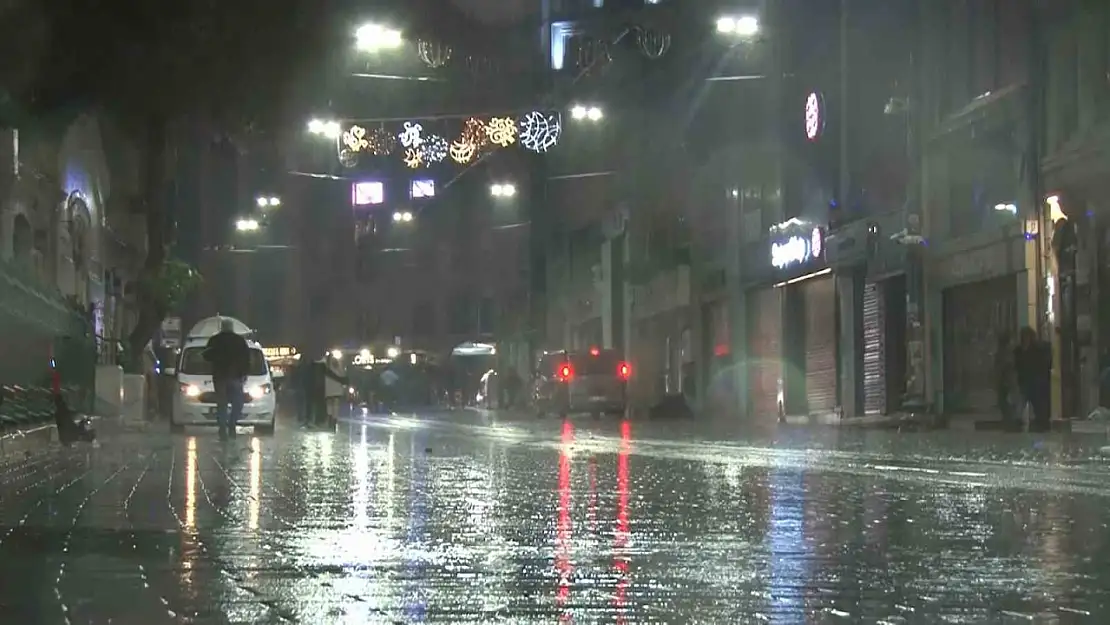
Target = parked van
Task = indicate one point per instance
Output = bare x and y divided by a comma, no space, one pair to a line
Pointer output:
195,401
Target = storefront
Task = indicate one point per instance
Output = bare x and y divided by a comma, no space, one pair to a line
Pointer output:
792,328
764,367
869,269
980,294
883,344
819,302
975,315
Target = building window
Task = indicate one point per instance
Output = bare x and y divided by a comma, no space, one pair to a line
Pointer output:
561,34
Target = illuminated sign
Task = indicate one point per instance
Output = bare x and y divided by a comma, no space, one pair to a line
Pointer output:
279,352
367,193
797,249
422,189
815,116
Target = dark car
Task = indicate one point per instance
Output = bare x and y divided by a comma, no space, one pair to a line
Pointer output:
593,381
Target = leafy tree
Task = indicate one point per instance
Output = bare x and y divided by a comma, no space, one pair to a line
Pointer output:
166,73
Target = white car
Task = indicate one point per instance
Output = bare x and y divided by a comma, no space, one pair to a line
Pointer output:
194,403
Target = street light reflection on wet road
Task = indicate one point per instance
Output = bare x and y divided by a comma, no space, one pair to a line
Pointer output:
477,518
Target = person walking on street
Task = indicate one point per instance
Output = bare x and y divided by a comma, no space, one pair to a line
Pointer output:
230,356
1004,376
1033,364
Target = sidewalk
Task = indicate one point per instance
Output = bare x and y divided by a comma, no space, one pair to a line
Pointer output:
30,438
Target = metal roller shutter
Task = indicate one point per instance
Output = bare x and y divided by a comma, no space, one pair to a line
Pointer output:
764,352
974,315
874,351
820,311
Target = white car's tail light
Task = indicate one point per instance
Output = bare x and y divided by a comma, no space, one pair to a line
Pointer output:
190,390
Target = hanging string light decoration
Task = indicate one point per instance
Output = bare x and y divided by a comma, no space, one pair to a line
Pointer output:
433,149
501,131
462,152
348,158
354,138
471,142
381,142
435,55
412,135
653,44
539,131
474,131
412,158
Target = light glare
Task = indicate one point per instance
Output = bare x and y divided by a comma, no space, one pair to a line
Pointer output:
744,26
375,37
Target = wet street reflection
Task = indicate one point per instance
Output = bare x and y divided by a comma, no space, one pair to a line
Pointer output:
482,518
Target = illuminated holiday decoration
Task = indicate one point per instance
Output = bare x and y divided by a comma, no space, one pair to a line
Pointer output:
347,158
434,55
412,136
652,43
355,139
433,149
413,159
474,133
501,131
382,142
540,131
463,152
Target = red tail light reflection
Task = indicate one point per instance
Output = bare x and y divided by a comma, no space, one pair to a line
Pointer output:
621,535
564,567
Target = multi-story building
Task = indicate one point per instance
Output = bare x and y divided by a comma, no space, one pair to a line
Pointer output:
711,271
70,235
1074,136
978,177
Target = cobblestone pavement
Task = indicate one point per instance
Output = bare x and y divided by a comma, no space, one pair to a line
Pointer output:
474,517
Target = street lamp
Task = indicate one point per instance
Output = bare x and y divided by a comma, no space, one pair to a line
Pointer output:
247,225
402,217
268,201
741,26
324,128
582,112
502,190
393,352
375,37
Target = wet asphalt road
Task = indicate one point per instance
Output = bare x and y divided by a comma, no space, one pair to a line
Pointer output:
480,518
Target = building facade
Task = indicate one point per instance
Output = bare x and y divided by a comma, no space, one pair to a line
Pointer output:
1075,157
71,248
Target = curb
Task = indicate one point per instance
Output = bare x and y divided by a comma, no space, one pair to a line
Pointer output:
34,430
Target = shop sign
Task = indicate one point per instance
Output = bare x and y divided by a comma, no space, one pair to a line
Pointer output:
797,249
279,352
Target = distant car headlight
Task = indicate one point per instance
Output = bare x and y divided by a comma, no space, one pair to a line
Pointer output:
190,390
259,391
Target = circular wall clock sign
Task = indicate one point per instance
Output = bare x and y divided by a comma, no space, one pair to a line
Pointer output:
815,116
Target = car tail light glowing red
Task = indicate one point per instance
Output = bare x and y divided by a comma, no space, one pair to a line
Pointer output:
624,370
565,372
